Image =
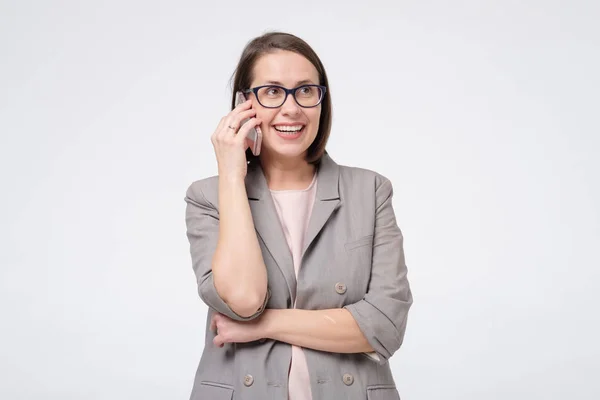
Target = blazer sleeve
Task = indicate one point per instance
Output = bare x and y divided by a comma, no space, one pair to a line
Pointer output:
202,221
382,313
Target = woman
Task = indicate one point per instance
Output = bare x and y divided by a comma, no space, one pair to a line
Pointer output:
299,259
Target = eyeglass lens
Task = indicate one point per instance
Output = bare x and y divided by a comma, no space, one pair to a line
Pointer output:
274,96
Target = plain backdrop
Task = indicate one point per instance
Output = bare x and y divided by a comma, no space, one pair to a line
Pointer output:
484,114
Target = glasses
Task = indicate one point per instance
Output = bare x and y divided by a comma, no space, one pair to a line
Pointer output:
273,96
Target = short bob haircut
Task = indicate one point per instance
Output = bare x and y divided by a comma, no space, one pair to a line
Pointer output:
270,43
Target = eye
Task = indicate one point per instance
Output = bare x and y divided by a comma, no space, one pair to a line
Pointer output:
305,91
273,91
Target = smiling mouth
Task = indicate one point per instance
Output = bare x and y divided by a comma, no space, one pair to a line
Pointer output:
289,129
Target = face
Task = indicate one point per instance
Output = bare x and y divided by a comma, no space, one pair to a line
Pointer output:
289,130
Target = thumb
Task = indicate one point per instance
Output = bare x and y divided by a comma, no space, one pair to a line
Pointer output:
218,341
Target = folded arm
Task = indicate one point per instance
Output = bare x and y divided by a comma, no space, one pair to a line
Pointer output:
333,330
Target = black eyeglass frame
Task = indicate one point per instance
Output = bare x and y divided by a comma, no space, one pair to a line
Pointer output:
287,92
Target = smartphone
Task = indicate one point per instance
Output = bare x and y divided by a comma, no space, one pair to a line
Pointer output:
255,135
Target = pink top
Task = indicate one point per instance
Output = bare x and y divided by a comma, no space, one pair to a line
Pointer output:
294,208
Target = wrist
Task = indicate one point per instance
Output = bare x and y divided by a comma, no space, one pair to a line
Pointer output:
268,326
231,178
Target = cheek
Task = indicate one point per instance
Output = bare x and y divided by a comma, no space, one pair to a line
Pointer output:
314,116
266,116
314,113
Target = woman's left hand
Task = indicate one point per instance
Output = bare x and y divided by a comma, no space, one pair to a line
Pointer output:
230,331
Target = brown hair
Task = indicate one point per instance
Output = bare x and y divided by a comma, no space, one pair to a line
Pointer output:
269,43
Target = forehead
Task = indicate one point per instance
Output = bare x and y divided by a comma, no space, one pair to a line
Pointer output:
286,67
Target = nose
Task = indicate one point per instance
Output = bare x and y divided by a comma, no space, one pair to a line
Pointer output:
290,107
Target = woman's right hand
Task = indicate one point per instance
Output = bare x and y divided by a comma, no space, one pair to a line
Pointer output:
229,140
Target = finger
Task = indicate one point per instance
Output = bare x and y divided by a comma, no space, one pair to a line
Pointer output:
221,124
242,106
218,130
218,341
245,106
236,120
213,324
227,129
245,129
231,116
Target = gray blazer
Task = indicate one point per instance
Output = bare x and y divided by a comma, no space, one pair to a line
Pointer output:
352,258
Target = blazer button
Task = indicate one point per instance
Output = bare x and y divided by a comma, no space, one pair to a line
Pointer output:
248,380
348,379
340,288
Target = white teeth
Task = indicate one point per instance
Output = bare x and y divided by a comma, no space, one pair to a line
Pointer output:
289,128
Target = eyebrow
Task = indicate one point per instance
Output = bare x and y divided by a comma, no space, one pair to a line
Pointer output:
303,82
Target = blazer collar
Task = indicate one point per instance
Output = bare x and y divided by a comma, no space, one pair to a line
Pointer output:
327,180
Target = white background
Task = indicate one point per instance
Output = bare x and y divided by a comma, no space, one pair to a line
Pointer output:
484,114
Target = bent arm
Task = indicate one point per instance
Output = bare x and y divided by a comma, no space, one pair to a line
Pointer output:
226,255
238,267
383,312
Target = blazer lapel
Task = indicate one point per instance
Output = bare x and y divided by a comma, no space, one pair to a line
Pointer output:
327,199
268,226
266,220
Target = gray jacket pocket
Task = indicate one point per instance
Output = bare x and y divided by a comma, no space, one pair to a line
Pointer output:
213,391
363,241
382,392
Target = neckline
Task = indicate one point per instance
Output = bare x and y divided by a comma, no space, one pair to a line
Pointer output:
312,183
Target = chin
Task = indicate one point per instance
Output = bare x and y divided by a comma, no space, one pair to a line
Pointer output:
288,152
